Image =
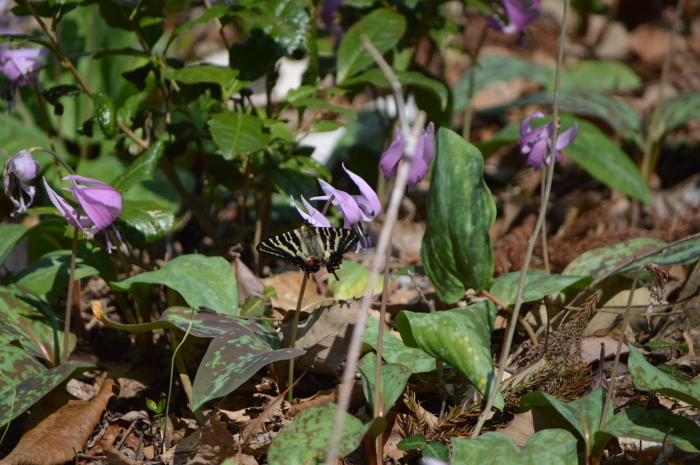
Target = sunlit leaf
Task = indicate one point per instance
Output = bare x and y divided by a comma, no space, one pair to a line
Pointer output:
412,442
105,115
237,133
655,425
393,380
144,221
394,350
492,448
353,281
597,262
141,169
537,285
16,365
602,75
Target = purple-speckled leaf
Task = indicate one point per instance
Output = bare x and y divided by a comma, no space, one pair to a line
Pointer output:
16,365
14,400
231,361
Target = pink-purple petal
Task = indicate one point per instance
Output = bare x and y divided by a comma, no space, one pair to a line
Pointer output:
370,201
429,148
390,159
418,166
64,208
567,137
314,217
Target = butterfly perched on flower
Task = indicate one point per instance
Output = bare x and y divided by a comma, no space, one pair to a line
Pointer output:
310,247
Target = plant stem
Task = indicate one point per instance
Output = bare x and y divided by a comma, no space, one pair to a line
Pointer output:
468,112
611,385
69,298
293,339
531,243
543,233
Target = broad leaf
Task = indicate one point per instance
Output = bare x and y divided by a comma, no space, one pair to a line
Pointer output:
491,448
649,378
376,77
141,169
382,26
393,380
676,111
601,75
237,133
655,425
537,285
581,417
437,450
456,249
10,235
16,365
15,399
216,11
105,115
305,441
353,281
412,442
597,262
145,221
204,73
460,337
394,350
318,104
200,280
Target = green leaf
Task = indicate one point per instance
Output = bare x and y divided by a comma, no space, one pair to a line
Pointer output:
305,441
597,262
581,417
152,406
145,221
141,169
16,365
16,136
105,115
216,11
491,448
394,350
253,306
117,14
460,337
237,133
412,442
151,29
680,254
382,26
10,235
600,75
496,68
456,249
677,110
14,400
653,425
204,73
648,378
352,281
605,161
230,361
437,450
200,280
376,77
318,104
537,285
393,380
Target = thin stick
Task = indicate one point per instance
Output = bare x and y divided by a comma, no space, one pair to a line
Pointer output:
543,233
531,243
469,112
293,339
611,385
383,242
69,298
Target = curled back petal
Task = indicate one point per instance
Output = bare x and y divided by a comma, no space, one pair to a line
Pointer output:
64,208
313,217
370,203
344,202
418,165
100,214
525,124
567,137
390,159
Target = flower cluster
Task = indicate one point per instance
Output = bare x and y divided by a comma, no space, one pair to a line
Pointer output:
536,143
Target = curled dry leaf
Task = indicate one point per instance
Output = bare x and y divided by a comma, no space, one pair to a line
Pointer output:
215,444
114,456
248,283
59,426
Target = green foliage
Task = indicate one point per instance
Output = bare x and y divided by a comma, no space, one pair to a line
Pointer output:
537,285
456,249
437,450
394,351
460,337
548,446
412,442
237,133
393,380
353,281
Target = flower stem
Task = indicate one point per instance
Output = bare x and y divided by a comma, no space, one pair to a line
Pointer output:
56,156
468,112
293,339
69,298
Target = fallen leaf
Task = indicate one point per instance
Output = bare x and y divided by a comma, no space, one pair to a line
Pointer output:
248,283
520,429
590,348
287,286
59,426
114,456
214,446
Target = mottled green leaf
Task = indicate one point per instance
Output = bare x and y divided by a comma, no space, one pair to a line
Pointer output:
460,337
680,254
230,361
581,416
237,133
655,425
597,262
352,281
600,75
394,350
676,111
105,115
382,26
145,221
253,306
376,77
648,378
456,249
200,280
14,400
393,380
10,235
412,442
537,285
16,365
305,440
204,73
141,169
491,448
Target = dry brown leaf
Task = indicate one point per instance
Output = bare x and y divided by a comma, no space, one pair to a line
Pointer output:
396,435
520,429
287,286
114,456
248,283
329,395
590,348
59,427
214,446
274,413
603,319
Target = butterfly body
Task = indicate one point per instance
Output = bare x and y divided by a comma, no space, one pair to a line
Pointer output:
310,247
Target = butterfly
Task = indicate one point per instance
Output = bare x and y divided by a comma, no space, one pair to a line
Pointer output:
308,247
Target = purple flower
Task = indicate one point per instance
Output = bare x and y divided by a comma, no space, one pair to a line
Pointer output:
18,66
519,13
354,208
101,203
537,142
19,170
422,156
313,217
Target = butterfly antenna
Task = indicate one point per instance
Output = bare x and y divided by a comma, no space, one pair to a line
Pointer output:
336,276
